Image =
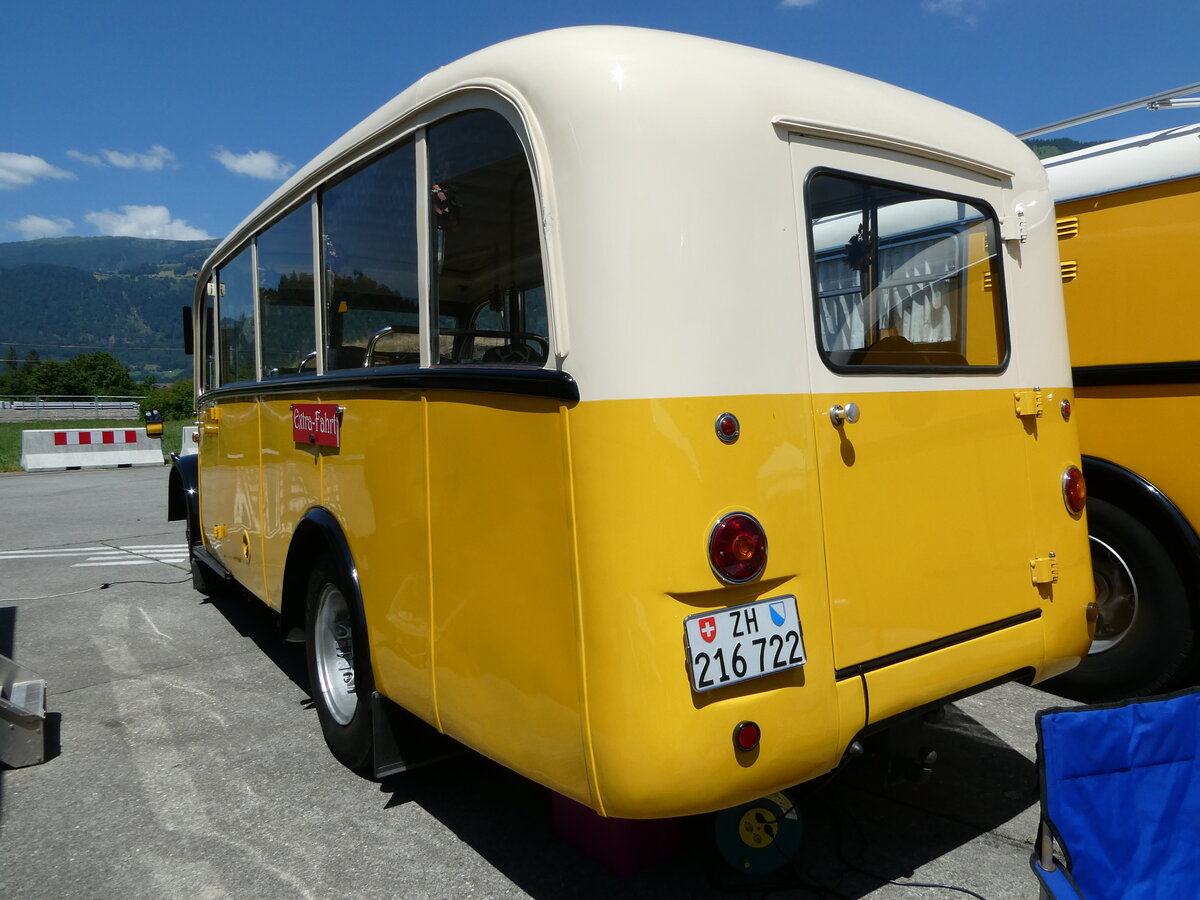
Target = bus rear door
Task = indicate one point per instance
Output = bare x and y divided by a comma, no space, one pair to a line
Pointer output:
922,460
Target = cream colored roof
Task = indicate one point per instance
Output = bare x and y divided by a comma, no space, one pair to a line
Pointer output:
594,76
1124,164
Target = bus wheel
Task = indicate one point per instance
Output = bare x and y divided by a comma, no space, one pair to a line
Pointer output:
1144,632
339,668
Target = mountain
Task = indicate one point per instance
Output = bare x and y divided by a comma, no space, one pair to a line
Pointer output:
66,296
111,255
1047,147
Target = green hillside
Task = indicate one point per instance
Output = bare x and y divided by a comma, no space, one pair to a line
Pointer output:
1047,147
67,296
122,255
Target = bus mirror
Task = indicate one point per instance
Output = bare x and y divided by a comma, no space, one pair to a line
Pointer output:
187,330
154,423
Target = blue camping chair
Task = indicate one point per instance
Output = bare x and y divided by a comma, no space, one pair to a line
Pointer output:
1121,799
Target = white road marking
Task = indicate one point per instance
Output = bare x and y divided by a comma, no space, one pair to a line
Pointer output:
123,555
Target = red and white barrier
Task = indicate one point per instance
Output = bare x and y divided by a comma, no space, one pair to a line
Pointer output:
46,450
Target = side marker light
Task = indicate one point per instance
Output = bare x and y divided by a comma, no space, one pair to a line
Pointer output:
1074,490
728,428
746,736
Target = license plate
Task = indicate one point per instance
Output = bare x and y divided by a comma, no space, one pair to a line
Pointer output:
743,642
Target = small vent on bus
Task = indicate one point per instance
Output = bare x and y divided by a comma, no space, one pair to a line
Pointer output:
1069,269
1068,227
988,281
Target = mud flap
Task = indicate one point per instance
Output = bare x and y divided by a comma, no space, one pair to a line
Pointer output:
403,741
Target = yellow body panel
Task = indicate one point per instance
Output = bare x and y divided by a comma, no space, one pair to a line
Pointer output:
376,486
1152,430
1129,303
526,567
231,512
924,532
505,639
1132,250
291,484
650,480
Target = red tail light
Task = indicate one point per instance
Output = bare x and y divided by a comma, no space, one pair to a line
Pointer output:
1074,490
746,736
737,548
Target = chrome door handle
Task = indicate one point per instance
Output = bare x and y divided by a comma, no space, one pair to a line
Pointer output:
844,415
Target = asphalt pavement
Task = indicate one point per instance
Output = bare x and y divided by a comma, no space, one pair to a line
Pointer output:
192,765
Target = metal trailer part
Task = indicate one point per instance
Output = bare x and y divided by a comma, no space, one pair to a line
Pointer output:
22,716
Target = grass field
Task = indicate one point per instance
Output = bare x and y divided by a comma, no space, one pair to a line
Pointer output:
10,436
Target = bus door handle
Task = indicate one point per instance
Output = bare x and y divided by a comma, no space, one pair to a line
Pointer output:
844,415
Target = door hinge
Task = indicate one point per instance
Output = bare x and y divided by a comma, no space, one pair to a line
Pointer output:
1028,402
1043,569
1012,228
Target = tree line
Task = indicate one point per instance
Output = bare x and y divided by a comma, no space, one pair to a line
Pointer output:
84,375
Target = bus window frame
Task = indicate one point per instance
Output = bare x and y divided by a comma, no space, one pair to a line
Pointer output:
1000,284
309,199
207,354
250,247
549,379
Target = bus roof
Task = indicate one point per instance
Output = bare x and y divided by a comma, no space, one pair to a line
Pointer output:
1128,163
577,86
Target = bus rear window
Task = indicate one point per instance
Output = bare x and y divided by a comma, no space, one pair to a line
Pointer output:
904,279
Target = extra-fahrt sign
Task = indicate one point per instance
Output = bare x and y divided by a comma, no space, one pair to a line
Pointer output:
316,423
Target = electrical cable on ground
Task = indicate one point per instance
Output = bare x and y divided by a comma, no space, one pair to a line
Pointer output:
100,587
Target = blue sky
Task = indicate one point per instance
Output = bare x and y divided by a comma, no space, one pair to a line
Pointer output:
154,118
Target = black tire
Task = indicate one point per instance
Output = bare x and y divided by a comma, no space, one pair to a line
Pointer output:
1145,635
339,665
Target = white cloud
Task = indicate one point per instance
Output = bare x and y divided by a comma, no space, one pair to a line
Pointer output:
34,227
786,3
18,170
960,9
85,158
256,164
144,222
152,160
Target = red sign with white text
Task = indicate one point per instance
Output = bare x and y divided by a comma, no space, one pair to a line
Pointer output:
316,423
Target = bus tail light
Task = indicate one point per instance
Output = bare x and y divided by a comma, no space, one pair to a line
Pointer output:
1074,490
737,548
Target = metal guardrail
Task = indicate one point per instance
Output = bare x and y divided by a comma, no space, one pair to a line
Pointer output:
35,408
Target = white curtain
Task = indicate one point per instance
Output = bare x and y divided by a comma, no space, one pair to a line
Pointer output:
916,297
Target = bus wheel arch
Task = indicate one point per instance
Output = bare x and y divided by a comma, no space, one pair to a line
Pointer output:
323,607
1144,557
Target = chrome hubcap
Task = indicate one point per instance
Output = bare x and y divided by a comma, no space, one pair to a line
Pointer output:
334,650
1116,597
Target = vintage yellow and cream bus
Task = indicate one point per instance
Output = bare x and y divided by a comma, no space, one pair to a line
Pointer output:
653,415
1129,210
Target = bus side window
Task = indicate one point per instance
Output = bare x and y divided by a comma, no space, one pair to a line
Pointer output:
487,281
285,295
905,278
370,255
235,307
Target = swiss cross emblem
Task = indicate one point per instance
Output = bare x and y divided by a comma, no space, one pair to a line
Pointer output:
708,629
